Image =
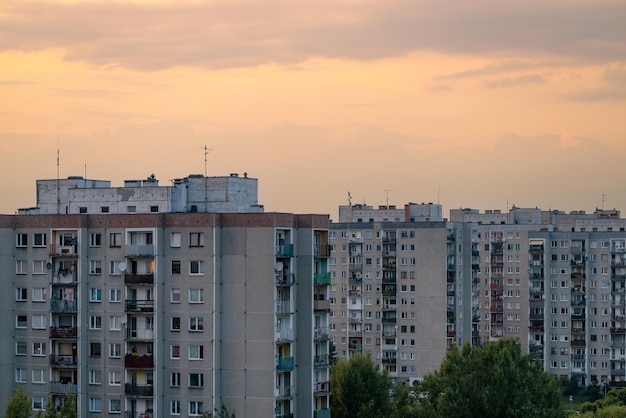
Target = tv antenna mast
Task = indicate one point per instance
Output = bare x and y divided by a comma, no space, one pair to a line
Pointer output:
206,152
387,193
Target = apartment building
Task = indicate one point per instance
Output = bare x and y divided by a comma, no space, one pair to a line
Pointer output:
554,281
166,314
387,295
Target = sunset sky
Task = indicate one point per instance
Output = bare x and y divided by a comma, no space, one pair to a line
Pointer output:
472,104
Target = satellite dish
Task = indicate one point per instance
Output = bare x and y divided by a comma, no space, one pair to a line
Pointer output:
122,266
278,266
49,266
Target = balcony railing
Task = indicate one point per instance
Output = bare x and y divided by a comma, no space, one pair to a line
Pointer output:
321,333
284,278
322,360
140,306
322,250
321,413
140,334
321,279
321,305
138,362
59,388
284,364
322,387
138,390
63,251
140,250
63,332
283,392
60,360
59,305
284,307
284,250
147,278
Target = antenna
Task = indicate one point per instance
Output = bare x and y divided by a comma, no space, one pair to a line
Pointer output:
438,191
58,186
387,193
603,199
206,152
349,199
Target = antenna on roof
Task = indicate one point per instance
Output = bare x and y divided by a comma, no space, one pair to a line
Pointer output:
387,193
603,200
349,199
206,152
58,186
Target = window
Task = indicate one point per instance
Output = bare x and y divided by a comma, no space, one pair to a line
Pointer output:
95,377
115,323
196,239
82,209
115,378
195,408
175,240
39,294
39,267
21,267
196,323
95,295
195,296
154,209
95,322
115,239
20,375
104,209
175,379
175,295
115,406
21,321
174,407
21,349
21,294
95,349
95,240
94,405
21,240
174,351
196,267
115,350
175,267
95,267
196,352
175,324
115,295
40,240
39,322
39,349
39,376
114,268
196,380
39,403
131,209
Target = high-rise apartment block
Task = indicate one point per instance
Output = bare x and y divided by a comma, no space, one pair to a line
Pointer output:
142,303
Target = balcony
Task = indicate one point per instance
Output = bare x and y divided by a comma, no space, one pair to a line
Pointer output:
133,361
146,278
358,347
389,320
62,361
284,307
69,333
389,360
284,392
578,343
389,347
65,306
60,251
60,388
284,250
139,250
321,413
139,390
140,334
321,279
284,364
322,250
321,305
322,388
322,360
139,306
616,330
321,333
284,278
285,335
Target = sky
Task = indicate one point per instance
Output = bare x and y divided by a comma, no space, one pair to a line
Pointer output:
475,104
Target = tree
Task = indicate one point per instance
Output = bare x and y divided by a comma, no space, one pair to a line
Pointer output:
222,413
19,404
359,389
490,380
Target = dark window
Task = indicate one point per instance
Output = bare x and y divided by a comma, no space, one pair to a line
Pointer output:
154,208
82,210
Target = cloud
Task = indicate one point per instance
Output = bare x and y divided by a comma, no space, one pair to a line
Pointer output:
613,88
227,34
517,81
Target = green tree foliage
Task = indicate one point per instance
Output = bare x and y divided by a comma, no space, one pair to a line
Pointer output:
404,401
359,389
612,405
491,380
221,413
19,404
